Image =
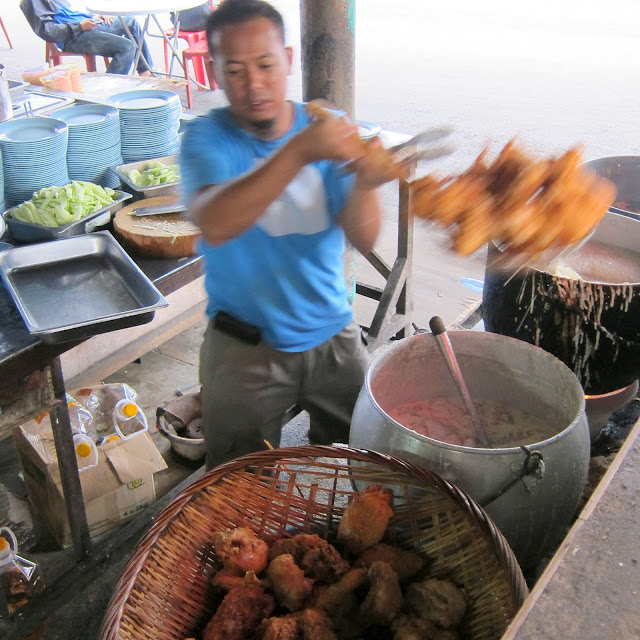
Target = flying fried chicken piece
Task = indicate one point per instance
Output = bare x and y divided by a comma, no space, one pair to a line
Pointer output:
384,598
405,563
240,550
365,519
290,586
239,614
319,559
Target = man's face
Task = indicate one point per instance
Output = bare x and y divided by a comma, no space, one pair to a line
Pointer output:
251,66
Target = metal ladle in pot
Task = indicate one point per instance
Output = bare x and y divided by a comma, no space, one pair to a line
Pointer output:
442,338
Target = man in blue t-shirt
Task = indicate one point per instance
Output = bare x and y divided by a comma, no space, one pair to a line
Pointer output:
74,29
264,184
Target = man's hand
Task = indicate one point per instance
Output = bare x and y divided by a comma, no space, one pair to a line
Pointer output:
330,139
106,19
374,168
88,24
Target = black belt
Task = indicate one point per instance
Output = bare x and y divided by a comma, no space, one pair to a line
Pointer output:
236,328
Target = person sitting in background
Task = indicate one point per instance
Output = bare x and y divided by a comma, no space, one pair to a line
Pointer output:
75,30
193,19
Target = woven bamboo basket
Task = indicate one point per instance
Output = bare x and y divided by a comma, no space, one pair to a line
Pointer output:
163,592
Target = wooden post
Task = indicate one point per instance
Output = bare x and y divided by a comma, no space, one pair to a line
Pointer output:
328,51
328,69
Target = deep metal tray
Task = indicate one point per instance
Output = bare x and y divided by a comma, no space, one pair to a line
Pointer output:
77,287
16,88
168,189
25,232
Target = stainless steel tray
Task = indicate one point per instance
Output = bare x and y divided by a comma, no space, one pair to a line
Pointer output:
16,88
25,232
159,190
77,287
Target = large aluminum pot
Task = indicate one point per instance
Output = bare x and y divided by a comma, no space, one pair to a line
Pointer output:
593,326
624,172
532,496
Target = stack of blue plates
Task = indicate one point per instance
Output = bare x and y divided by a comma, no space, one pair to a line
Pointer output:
2,206
149,122
34,152
94,143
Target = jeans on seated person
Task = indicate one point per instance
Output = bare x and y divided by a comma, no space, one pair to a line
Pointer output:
108,40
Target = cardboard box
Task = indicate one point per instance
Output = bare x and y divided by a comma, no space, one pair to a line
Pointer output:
119,486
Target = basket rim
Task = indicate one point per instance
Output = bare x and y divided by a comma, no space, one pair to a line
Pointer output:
416,473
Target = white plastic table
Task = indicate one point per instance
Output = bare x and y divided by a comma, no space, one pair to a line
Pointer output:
149,9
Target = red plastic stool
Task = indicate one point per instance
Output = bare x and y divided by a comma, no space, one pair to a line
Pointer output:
198,53
191,37
53,56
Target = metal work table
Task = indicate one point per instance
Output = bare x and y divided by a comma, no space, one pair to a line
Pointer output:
32,380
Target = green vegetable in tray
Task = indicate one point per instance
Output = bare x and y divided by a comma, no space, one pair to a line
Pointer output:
155,174
57,206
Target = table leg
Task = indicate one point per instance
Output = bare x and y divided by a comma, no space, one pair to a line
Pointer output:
138,45
172,45
174,39
63,440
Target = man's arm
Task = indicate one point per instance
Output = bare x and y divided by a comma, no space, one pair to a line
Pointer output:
361,217
225,211
40,14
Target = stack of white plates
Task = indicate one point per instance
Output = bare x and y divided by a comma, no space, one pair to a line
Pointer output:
149,122
34,152
94,143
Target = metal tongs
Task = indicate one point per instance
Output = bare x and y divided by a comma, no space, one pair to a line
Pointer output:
410,151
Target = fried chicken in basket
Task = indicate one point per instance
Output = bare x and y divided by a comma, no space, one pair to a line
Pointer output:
309,624
339,600
439,601
290,586
332,598
302,588
408,627
240,550
384,598
225,580
406,564
319,559
240,614
365,519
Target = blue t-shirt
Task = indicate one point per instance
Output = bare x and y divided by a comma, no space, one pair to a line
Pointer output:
285,274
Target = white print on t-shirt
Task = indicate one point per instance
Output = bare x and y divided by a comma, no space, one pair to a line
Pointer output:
302,207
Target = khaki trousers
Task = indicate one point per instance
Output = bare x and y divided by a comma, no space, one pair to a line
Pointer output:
246,389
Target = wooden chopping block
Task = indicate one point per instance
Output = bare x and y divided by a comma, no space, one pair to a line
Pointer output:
170,235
